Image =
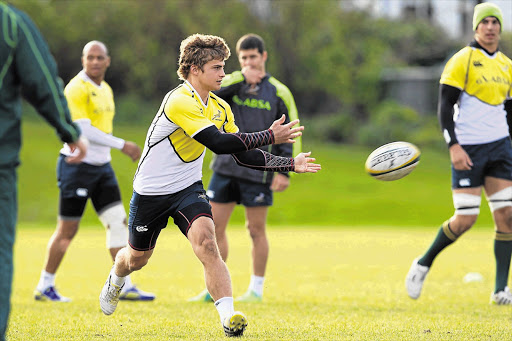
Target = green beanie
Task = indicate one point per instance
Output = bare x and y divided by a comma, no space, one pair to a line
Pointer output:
485,10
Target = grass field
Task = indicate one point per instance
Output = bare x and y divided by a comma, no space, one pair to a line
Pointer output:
322,284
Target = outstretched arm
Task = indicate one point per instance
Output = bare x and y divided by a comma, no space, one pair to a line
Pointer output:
261,160
228,143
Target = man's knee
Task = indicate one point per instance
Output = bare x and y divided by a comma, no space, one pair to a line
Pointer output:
137,263
114,220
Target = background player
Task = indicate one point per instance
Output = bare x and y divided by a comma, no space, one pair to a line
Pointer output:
477,81
257,99
168,179
91,102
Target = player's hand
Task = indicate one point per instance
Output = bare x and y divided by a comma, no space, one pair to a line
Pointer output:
304,164
252,76
284,133
280,182
132,150
80,146
460,159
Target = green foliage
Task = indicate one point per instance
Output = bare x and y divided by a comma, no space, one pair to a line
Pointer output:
331,59
321,284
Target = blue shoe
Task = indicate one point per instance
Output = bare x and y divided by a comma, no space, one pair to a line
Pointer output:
135,294
204,296
50,294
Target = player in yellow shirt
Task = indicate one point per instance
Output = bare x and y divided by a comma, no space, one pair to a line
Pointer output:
91,102
168,179
475,112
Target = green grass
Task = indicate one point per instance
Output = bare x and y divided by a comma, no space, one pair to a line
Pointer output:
340,194
322,284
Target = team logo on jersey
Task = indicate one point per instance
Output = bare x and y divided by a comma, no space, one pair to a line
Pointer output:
141,228
202,196
477,63
93,93
216,117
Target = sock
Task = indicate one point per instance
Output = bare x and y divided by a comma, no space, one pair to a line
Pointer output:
502,254
256,284
119,281
225,308
127,282
45,281
444,238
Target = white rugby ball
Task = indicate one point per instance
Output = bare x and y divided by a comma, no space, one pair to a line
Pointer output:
393,161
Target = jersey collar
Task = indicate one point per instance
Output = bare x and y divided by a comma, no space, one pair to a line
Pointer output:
195,93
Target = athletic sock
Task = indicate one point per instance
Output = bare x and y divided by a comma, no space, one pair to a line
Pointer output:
256,285
225,307
502,254
119,281
127,282
45,281
444,237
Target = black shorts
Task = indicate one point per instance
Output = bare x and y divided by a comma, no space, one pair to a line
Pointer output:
78,182
489,159
224,189
149,214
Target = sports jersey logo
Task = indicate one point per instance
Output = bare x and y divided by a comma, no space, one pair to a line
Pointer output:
216,117
477,63
252,103
141,228
202,196
93,93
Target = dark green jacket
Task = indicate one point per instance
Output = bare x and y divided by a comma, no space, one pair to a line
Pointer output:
26,66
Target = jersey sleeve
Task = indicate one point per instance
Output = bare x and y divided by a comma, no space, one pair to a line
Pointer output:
76,96
455,71
187,114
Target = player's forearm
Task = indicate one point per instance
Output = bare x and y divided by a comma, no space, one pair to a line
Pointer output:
263,161
96,136
448,96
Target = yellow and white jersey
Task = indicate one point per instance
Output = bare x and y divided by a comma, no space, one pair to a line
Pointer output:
92,105
172,160
486,83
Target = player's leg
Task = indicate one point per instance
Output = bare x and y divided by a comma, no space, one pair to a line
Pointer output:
194,217
256,219
106,199
223,194
499,196
466,192
257,198
75,183
8,214
147,217
467,207
218,281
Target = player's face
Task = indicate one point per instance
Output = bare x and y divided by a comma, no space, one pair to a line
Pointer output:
252,59
95,62
212,74
488,32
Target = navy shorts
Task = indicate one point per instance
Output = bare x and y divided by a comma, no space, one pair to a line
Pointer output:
78,182
489,159
149,214
224,189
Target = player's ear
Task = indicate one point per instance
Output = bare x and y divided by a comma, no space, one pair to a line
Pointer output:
265,55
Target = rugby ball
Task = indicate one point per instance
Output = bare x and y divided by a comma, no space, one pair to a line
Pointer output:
392,161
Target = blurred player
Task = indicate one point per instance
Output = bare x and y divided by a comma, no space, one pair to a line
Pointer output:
477,83
28,66
168,179
91,103
257,99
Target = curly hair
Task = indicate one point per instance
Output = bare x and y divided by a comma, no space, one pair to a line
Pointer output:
199,49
